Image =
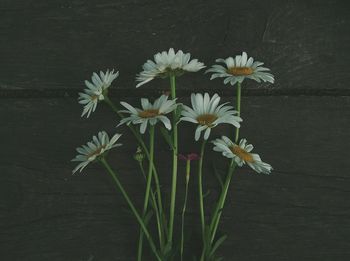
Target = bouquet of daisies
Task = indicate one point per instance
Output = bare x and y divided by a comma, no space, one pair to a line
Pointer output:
167,114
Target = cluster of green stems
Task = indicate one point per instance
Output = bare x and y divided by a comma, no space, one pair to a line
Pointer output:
153,197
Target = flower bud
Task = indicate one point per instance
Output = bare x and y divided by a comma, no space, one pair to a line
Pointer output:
139,155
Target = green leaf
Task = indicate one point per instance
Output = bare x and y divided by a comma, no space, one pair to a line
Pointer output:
217,244
148,217
169,252
218,176
167,249
206,193
178,113
207,234
167,137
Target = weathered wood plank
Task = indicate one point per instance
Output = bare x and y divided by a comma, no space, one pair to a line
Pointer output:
300,212
58,44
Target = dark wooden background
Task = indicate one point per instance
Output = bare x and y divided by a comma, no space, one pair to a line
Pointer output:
300,124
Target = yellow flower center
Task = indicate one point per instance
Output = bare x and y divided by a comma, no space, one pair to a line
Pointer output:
206,119
96,152
242,154
148,113
240,71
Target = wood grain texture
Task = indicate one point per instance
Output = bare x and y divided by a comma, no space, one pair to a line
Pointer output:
55,45
300,212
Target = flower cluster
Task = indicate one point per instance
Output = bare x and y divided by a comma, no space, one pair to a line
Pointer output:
205,111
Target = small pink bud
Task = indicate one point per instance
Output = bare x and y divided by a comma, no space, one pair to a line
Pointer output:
193,156
190,157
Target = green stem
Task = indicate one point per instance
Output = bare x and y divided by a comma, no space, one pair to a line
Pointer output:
203,254
219,208
154,205
173,86
132,207
113,107
238,108
148,189
188,170
200,190
145,149
174,174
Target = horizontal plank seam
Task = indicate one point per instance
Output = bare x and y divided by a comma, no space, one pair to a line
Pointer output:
57,93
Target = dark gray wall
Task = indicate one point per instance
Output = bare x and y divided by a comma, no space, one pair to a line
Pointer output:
55,44
299,125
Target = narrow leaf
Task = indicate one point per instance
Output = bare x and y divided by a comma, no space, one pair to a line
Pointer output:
167,137
206,193
217,244
218,176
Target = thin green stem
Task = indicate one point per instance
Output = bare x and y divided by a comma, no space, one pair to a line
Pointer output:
154,205
148,189
113,107
173,86
132,207
203,255
238,107
219,208
174,174
188,170
145,149
200,190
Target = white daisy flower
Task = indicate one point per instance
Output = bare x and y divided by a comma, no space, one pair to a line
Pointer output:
207,114
150,113
96,90
168,63
239,68
99,144
241,154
